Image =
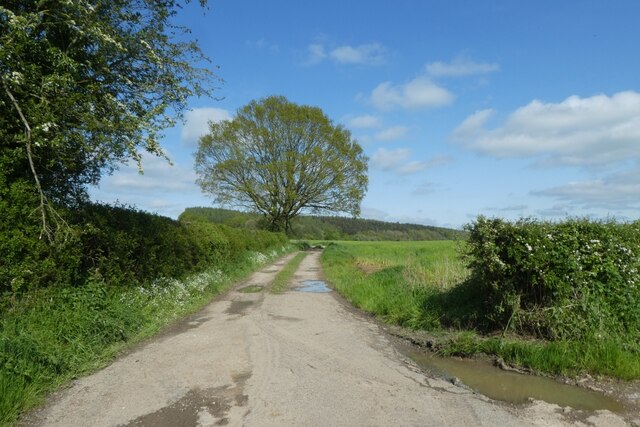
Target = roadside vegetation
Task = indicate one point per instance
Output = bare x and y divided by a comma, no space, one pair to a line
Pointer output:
282,279
121,276
560,298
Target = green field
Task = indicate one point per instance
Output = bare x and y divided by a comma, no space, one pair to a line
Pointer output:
426,286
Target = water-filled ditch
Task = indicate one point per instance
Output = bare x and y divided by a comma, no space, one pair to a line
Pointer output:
513,387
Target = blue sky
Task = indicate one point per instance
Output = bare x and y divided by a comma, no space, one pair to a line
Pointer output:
503,108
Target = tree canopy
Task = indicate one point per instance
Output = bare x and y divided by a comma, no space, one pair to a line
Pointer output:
85,85
280,159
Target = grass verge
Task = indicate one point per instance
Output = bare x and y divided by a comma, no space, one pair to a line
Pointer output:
283,277
423,286
50,337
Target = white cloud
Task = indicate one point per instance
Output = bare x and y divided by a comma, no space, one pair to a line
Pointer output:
391,133
315,54
371,54
594,131
388,160
416,94
459,67
615,192
159,177
165,188
364,54
363,122
197,123
395,161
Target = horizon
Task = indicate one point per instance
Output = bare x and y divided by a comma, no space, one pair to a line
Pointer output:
464,109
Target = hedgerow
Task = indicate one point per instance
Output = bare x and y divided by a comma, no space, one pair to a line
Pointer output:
576,279
118,245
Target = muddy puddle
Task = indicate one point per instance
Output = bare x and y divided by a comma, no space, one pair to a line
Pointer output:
314,286
239,307
513,387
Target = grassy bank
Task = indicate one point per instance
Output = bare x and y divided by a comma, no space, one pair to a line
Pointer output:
50,336
426,286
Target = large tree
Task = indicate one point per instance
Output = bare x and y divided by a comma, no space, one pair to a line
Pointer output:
280,158
85,85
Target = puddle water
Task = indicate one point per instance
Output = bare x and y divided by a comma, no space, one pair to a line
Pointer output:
315,286
239,307
514,387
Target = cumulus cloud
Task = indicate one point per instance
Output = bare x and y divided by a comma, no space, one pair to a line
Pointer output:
197,123
159,177
364,54
615,192
389,159
164,187
371,54
593,131
397,161
418,93
460,67
315,54
363,122
391,133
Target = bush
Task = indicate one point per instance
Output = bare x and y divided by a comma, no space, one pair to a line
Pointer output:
575,279
114,244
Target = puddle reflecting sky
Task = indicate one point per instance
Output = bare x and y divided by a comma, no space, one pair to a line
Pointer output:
315,286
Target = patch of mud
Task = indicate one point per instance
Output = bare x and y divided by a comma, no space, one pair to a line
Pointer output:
251,289
271,270
177,328
286,318
621,397
514,387
239,307
199,406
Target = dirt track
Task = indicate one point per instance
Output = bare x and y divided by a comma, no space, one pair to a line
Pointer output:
260,359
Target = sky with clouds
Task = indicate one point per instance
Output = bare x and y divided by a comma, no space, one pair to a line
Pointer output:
501,108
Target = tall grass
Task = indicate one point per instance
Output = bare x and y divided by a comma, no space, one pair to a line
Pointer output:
51,336
425,285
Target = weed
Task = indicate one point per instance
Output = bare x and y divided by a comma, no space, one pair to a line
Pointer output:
283,277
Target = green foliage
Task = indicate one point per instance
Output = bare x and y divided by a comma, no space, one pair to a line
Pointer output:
52,335
84,86
314,227
280,158
576,279
120,246
284,276
425,285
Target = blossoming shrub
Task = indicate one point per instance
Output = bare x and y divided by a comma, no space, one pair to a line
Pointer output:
568,280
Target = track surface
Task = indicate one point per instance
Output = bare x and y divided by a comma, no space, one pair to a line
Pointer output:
259,359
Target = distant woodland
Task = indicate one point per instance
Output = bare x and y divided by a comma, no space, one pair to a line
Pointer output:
327,227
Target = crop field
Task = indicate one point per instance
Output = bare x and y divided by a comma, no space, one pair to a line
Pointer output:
396,280
427,286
